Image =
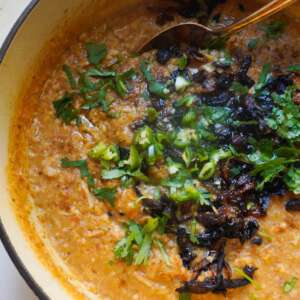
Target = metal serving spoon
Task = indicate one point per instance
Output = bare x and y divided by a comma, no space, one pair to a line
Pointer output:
196,34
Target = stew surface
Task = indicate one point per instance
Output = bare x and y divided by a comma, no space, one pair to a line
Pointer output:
173,174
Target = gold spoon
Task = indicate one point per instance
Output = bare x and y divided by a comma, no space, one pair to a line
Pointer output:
197,34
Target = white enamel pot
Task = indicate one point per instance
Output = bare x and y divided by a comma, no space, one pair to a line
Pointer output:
25,27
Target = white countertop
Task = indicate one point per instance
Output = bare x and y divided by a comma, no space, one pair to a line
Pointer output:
12,285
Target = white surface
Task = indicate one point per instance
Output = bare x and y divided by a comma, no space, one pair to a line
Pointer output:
9,12
12,285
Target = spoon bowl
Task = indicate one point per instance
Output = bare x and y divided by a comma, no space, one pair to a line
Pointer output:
196,34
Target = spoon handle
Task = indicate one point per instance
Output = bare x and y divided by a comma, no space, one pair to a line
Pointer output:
259,15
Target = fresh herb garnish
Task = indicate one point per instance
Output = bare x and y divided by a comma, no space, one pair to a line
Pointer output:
292,180
289,285
96,52
64,109
69,73
83,168
285,117
106,194
135,247
295,68
274,29
252,44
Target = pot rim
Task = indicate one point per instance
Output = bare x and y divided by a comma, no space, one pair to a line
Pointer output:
10,249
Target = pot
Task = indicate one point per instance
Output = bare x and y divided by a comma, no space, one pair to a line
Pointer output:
27,26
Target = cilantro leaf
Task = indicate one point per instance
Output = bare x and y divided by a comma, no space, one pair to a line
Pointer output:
285,117
70,76
189,192
96,52
107,194
121,88
289,285
100,102
136,245
252,44
124,247
65,110
269,171
83,168
274,29
292,180
295,68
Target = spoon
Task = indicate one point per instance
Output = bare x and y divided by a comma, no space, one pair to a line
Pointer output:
198,34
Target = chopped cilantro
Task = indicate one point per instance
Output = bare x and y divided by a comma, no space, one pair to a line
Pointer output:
83,168
252,44
100,102
65,110
285,117
96,52
190,192
120,80
208,170
107,194
295,68
292,180
72,81
274,29
135,247
289,285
